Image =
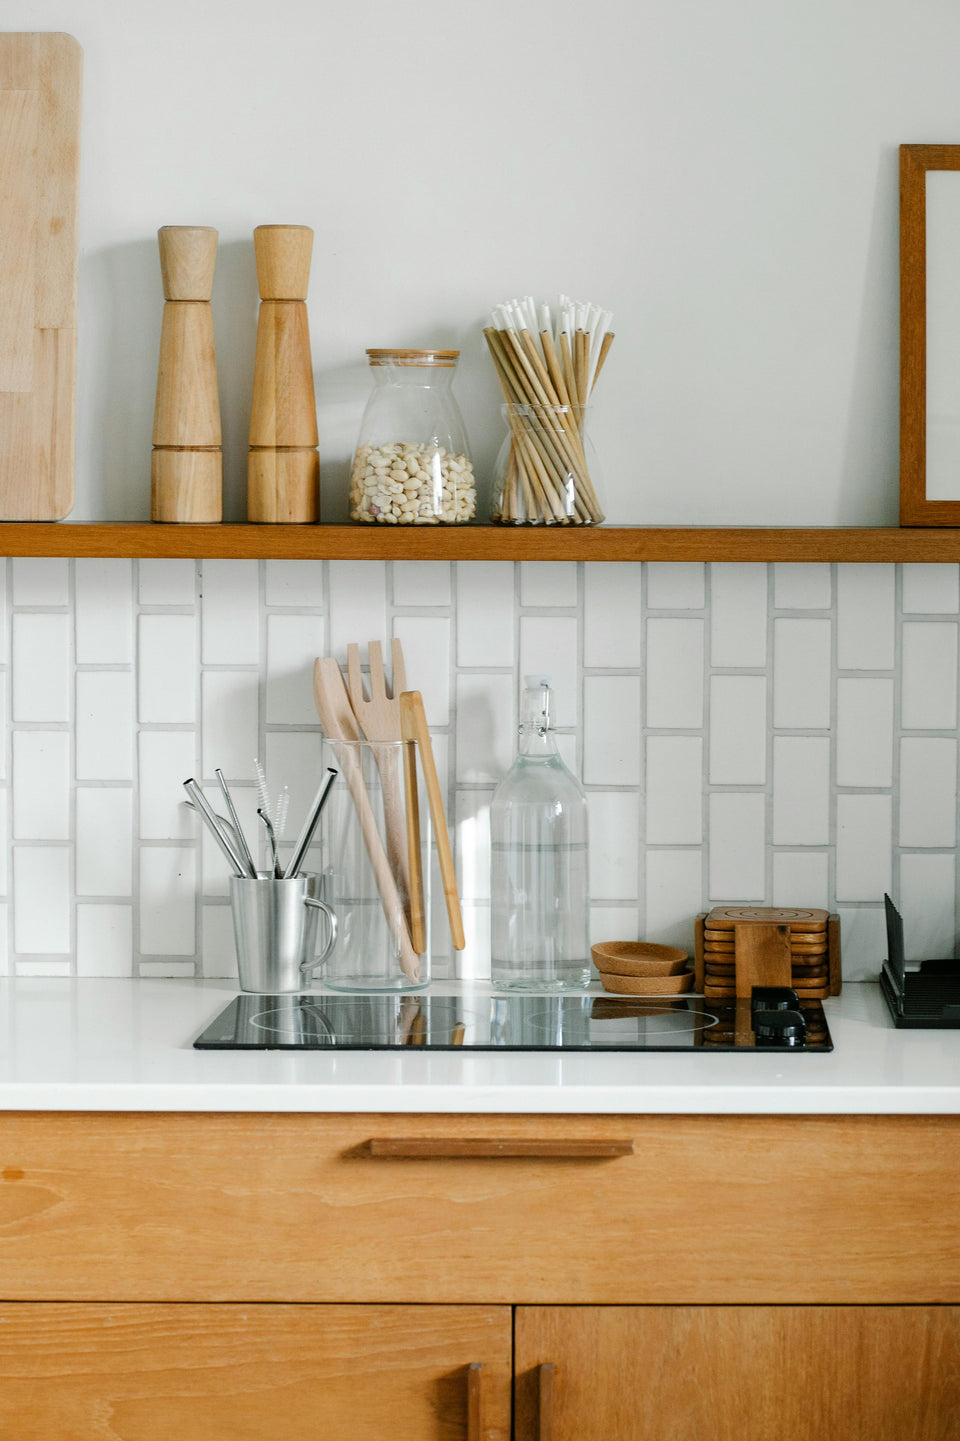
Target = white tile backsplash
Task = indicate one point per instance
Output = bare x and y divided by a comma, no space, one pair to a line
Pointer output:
738,615
41,667
663,685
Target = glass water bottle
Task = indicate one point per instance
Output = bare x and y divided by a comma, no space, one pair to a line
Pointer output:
538,831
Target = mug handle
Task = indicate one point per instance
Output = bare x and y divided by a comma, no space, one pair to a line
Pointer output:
317,961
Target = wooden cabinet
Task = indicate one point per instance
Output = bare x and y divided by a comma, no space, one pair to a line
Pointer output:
737,1373
254,1373
255,1276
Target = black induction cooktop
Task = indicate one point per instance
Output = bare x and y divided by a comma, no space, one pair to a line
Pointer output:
773,1020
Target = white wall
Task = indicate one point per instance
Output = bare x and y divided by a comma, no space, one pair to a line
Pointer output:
720,173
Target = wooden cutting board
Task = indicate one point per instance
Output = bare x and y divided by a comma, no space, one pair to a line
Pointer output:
39,161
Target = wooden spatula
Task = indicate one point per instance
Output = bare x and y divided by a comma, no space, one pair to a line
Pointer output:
415,722
339,724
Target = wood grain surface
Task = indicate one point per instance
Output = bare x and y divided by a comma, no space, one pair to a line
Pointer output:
39,164
196,1373
734,1373
726,1209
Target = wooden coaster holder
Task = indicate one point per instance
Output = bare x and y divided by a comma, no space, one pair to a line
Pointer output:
739,947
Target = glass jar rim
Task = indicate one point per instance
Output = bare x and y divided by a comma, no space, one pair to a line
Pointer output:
431,358
513,407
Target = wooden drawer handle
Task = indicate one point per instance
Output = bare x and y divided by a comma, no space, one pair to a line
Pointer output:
545,1379
474,1402
431,1148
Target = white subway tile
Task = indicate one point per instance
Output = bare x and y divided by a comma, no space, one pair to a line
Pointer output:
3,723
41,667
167,669
104,941
293,582
863,941
473,844
738,730
928,903
168,901
737,825
864,732
231,723
611,730
928,791
214,865
294,759
567,750
426,659
931,589
4,947
548,646
802,586
738,615
167,582
104,841
421,582
486,727
614,845
167,759
41,785
41,899
41,581
864,839
865,601
4,628
674,791
218,952
612,628
675,674
358,604
614,923
485,612
801,878
802,790
544,582
104,612
675,585
674,888
105,725
293,644
473,963
45,969
4,840
929,689
801,674
230,612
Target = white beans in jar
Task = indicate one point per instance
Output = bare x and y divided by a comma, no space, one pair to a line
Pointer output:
408,483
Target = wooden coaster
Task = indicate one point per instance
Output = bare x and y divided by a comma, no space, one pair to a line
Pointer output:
797,918
646,985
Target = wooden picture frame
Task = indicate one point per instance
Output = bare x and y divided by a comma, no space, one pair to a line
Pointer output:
920,478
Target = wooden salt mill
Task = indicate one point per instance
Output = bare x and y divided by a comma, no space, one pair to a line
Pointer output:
283,470
186,470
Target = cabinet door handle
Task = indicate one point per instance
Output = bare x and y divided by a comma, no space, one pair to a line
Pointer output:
545,1378
474,1401
433,1147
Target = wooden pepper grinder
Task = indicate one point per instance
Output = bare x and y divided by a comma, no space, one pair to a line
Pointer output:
186,470
283,471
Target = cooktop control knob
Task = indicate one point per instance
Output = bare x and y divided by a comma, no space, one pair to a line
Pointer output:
779,1028
774,998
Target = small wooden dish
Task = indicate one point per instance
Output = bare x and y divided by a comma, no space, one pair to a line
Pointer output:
646,985
638,958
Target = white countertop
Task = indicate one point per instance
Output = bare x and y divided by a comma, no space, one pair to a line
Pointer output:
123,1045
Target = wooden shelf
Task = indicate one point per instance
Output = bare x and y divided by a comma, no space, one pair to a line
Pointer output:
479,542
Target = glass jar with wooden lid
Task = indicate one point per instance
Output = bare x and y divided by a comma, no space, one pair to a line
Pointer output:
412,463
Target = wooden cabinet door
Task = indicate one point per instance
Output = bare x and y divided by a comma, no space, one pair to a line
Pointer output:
738,1373
133,1372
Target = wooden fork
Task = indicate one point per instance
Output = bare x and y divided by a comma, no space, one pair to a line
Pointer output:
379,719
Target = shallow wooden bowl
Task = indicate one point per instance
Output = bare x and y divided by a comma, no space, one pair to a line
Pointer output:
646,985
638,958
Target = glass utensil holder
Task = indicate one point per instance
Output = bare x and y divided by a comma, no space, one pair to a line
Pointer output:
365,868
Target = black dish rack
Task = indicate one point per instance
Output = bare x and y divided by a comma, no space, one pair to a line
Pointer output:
927,998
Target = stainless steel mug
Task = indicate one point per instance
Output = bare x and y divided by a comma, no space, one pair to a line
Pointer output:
275,930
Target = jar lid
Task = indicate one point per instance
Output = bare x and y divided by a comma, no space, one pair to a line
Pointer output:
413,357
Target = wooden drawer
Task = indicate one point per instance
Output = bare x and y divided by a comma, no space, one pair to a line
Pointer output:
297,1208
